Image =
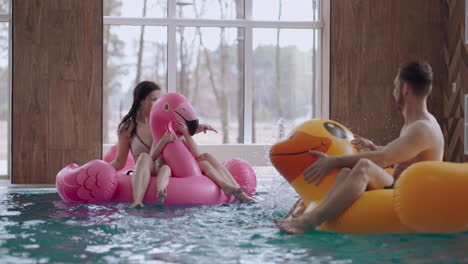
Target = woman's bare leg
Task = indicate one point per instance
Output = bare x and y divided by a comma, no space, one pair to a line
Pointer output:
141,178
162,180
299,207
220,168
220,180
227,176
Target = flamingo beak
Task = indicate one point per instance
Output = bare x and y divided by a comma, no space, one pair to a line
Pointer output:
186,112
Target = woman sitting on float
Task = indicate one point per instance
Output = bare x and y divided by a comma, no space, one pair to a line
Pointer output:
135,135
183,176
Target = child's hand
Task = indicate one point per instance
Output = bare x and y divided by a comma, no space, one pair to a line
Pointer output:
204,127
182,128
202,157
168,137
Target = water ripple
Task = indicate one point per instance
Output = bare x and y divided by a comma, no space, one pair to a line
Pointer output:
40,228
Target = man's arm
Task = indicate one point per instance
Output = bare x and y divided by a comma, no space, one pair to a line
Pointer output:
407,146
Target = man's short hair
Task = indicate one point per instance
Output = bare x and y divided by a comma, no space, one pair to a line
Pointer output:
418,75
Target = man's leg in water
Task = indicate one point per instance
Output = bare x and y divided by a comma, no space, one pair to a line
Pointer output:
349,186
300,208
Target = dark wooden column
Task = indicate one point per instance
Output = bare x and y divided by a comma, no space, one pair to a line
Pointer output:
57,87
369,40
456,60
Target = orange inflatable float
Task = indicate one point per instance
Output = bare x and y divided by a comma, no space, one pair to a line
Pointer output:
429,197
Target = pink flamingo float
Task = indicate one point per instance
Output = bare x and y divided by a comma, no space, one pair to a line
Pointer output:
97,181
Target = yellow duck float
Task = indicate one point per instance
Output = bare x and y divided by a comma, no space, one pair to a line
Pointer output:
429,197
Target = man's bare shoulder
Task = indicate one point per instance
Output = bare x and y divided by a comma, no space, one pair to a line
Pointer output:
423,127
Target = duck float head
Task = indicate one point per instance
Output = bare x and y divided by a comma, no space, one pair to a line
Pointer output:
170,109
291,156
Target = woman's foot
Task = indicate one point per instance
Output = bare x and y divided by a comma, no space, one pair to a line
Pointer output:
162,181
161,195
233,190
240,195
137,205
296,225
244,198
298,209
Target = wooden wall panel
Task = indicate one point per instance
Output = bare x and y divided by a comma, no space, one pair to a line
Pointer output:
369,40
456,61
57,87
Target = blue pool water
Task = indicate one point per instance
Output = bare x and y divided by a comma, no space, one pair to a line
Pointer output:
38,227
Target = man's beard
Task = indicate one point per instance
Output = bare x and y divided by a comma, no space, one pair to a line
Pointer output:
400,100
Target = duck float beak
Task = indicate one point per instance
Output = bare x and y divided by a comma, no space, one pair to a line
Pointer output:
291,157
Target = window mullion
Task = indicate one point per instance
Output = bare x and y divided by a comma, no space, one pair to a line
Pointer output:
248,74
171,9
323,71
138,21
171,48
171,58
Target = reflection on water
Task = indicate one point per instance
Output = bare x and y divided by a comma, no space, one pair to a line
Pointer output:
40,228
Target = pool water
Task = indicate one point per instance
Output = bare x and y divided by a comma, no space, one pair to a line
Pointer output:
38,227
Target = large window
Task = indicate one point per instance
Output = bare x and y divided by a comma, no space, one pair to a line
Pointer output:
4,85
251,68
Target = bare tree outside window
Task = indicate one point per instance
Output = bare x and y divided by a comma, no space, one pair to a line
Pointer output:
112,48
133,8
140,47
4,6
211,75
279,107
210,9
209,72
291,10
210,61
4,98
131,54
282,102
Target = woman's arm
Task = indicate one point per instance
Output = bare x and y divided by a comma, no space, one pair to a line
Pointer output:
205,127
157,148
190,143
122,152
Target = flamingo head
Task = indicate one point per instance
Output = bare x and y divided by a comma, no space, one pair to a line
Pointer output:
170,109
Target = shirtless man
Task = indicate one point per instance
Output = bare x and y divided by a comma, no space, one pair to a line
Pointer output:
420,139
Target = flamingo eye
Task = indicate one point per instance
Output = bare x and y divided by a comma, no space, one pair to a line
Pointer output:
166,107
335,130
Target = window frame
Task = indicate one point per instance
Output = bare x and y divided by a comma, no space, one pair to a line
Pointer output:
172,22
6,18
466,21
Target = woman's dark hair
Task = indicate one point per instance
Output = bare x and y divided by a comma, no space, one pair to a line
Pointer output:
139,93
